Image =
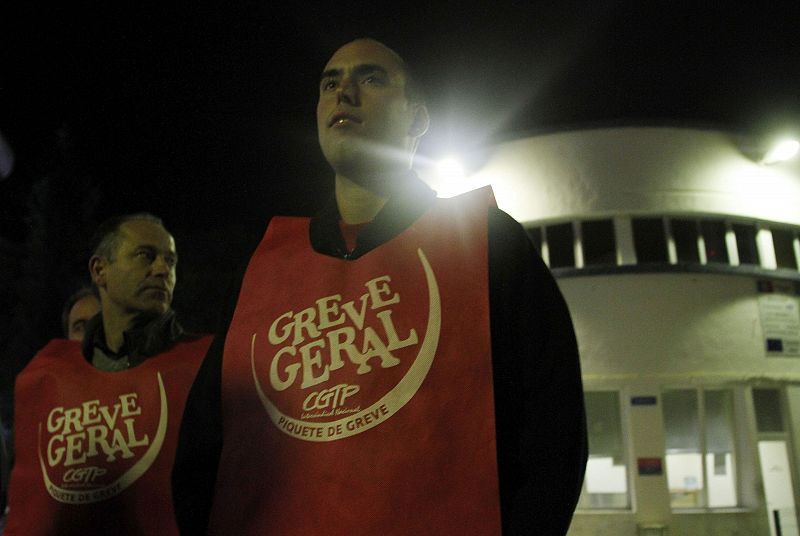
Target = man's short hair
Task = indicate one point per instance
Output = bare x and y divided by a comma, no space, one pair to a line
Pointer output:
74,298
107,236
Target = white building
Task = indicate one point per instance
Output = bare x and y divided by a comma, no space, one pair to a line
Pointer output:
678,254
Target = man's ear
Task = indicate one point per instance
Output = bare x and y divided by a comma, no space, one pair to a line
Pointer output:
421,122
97,270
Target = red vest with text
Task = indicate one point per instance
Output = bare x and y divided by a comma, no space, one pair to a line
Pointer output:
357,394
94,449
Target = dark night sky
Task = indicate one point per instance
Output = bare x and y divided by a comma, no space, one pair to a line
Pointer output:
202,114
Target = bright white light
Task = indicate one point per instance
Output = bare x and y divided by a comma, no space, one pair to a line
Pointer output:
782,151
450,169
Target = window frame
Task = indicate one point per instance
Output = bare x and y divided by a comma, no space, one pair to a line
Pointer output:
702,442
625,439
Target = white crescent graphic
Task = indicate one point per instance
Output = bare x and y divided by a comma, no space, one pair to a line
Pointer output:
395,399
129,477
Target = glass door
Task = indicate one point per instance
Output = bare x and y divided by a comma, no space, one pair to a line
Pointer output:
776,473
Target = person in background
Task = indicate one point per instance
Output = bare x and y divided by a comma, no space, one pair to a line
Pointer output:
96,421
79,308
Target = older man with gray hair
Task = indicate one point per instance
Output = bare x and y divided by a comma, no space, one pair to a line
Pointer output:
96,423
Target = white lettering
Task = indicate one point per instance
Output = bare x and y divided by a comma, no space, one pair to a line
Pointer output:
304,320
129,405
320,342
291,370
312,358
327,306
286,330
53,425
378,287
83,432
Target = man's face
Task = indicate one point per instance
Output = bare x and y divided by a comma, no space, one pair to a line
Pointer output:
141,276
80,313
365,122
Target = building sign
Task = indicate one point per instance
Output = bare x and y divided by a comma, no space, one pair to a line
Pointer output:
649,466
779,307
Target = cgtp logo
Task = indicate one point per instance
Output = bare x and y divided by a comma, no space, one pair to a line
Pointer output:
307,348
330,398
84,476
93,451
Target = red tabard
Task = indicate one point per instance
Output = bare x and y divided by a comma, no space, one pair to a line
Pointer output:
357,394
94,449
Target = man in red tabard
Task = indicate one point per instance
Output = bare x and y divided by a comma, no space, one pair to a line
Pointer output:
96,422
398,364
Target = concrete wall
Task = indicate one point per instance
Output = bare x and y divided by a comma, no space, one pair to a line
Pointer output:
677,327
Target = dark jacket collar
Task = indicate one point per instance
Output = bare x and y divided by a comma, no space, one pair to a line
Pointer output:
149,335
402,209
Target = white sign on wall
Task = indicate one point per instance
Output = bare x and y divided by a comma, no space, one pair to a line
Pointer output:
780,319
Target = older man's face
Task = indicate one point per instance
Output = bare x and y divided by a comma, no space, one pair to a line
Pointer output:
141,276
364,119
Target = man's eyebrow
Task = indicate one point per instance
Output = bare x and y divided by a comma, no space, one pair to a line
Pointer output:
330,73
359,70
154,249
369,68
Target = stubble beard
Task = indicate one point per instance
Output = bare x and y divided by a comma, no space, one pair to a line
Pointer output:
369,164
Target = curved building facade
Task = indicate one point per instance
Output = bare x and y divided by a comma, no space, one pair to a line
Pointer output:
679,256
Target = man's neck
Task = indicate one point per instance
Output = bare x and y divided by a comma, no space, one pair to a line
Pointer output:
356,203
114,327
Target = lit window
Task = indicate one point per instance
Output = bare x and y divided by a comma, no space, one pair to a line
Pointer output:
560,244
783,239
699,448
649,240
599,246
606,482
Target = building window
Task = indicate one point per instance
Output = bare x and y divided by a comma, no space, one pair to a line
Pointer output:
783,240
719,429
599,246
649,240
664,240
684,234
769,415
606,482
560,244
714,238
746,243
700,458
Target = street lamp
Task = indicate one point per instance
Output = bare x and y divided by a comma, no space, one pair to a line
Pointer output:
783,150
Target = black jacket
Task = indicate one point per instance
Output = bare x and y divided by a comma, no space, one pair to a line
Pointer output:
540,418
148,336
